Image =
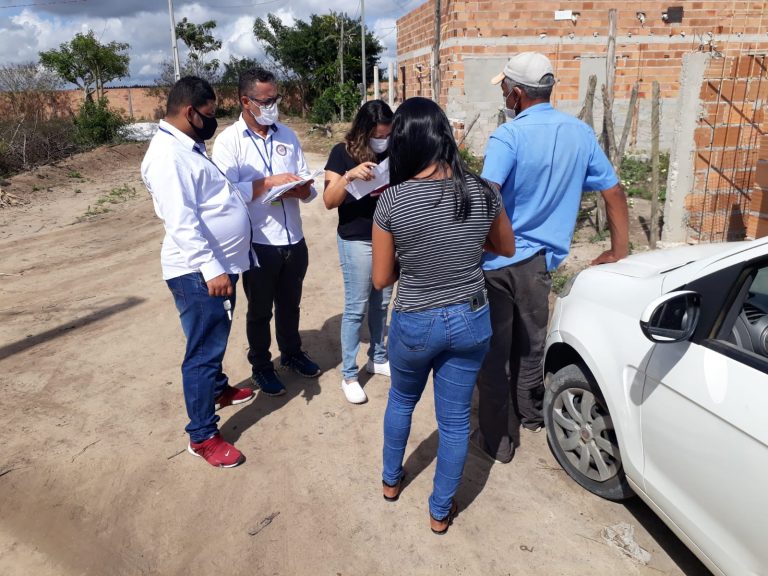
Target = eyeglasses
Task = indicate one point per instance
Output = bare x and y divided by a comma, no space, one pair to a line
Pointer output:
268,102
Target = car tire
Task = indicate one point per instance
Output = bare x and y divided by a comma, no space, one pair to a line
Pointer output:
581,435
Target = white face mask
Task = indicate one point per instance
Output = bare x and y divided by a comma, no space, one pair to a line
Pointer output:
378,145
268,115
509,112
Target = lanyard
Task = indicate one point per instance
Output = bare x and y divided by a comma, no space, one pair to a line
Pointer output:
268,158
231,186
199,150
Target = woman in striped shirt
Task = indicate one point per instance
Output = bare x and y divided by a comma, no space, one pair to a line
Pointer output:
430,228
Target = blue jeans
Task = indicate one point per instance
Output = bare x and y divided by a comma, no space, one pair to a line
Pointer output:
452,342
359,294
206,327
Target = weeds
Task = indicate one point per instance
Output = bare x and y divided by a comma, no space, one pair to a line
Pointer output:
636,176
93,211
560,278
474,163
117,195
74,174
114,196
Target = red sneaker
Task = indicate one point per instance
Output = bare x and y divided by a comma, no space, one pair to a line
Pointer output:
217,452
232,396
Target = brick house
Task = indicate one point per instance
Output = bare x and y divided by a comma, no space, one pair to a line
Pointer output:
723,106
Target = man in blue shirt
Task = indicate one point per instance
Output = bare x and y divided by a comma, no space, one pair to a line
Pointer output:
541,161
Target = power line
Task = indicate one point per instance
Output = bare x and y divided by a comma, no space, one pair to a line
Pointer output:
389,33
357,12
44,3
250,4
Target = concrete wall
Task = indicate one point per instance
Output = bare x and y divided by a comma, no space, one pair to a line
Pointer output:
136,102
480,97
474,32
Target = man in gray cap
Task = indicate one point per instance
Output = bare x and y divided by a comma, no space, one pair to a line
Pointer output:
541,162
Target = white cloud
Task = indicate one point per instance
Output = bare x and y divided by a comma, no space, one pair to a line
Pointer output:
147,28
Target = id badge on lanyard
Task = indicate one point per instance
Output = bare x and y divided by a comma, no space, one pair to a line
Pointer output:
266,157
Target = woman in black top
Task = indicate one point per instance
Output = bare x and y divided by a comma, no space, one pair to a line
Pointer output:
432,224
364,146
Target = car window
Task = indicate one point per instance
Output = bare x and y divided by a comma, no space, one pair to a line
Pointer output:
759,288
746,325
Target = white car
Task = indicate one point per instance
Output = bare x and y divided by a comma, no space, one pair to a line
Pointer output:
656,373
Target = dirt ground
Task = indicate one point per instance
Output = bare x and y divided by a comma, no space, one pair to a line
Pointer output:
94,477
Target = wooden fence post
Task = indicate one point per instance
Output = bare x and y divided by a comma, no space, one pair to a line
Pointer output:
655,127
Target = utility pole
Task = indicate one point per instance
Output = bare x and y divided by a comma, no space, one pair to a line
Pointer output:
362,39
174,46
341,49
436,56
341,60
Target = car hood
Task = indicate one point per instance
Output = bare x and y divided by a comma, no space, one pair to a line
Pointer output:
656,262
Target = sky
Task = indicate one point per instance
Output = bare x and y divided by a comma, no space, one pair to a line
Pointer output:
28,27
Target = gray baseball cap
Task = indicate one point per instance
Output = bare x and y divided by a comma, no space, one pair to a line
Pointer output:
529,69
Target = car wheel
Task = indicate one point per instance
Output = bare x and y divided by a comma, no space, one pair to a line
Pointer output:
581,435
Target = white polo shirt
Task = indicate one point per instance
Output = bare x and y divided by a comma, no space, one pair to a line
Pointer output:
245,156
205,218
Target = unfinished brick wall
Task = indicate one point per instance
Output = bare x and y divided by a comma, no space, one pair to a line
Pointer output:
647,51
725,203
474,32
715,199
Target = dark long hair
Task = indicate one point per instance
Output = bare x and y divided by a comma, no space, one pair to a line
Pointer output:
370,114
421,137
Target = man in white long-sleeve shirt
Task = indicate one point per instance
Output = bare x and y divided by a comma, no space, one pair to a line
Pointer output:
206,245
259,147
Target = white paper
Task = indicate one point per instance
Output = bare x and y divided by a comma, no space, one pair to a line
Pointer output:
360,188
276,191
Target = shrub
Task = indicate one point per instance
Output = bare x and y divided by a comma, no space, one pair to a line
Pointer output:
474,163
29,142
327,108
635,174
96,123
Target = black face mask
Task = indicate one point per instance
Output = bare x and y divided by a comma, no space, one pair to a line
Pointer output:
208,129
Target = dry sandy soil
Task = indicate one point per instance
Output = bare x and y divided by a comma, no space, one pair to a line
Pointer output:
94,477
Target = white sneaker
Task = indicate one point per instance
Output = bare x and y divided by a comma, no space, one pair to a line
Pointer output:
374,368
354,393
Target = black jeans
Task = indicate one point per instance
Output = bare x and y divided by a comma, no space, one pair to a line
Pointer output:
277,281
519,299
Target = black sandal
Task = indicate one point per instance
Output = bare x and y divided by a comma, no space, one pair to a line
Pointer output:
448,520
399,487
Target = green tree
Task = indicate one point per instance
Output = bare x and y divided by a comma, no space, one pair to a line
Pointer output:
87,63
234,67
200,41
308,52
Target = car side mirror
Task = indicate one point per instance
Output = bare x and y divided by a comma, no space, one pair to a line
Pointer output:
672,317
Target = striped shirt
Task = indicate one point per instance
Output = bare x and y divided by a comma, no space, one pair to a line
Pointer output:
439,256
